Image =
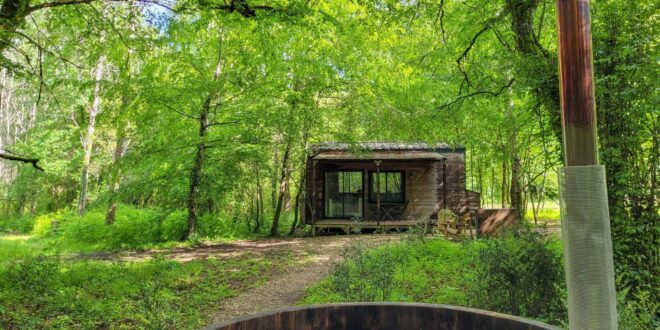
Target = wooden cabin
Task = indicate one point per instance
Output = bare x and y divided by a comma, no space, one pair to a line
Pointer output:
384,185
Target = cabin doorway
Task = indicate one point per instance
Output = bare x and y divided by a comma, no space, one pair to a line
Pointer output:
343,195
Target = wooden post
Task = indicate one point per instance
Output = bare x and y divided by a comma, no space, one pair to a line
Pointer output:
377,192
365,193
444,183
578,112
314,197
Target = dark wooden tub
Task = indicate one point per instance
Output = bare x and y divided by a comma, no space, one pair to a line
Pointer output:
378,316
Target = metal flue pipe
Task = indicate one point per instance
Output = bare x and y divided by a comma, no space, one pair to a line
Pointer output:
578,105
583,191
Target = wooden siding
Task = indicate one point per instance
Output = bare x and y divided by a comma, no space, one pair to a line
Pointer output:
424,180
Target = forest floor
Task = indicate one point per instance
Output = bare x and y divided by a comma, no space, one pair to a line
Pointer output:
313,259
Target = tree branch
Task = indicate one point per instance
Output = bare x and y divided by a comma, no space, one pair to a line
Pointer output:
78,2
466,96
33,161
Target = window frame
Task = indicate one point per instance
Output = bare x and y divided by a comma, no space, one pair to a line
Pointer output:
372,193
343,194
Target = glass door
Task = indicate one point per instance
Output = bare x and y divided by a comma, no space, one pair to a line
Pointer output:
343,195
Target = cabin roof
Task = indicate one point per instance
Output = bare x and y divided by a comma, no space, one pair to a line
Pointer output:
381,146
382,151
398,155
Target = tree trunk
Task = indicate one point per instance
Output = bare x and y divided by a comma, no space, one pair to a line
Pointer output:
516,190
276,165
492,185
120,150
196,172
282,190
260,200
504,185
88,138
296,205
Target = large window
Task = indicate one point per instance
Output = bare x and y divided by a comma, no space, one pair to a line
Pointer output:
390,184
343,194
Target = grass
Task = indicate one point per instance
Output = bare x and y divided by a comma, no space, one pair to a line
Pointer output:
40,289
549,215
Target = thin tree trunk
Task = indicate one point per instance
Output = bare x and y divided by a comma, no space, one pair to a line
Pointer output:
492,185
280,196
120,149
504,185
472,170
480,177
88,138
196,172
296,206
516,191
260,200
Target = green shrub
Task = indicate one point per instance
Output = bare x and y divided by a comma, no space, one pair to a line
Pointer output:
133,228
414,271
42,223
365,276
518,273
218,226
22,225
90,229
174,225
209,225
641,312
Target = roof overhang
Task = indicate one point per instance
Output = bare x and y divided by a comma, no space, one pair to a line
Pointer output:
410,155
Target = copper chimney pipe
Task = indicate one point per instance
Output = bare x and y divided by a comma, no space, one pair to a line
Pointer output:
578,105
583,192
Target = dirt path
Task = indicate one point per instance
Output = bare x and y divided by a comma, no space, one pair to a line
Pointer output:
287,288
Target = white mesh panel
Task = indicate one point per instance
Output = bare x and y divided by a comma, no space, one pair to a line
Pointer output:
587,248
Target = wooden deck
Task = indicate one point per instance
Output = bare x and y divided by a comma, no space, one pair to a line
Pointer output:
349,225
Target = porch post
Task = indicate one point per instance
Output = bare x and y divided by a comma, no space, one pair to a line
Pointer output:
377,192
444,183
314,197
365,193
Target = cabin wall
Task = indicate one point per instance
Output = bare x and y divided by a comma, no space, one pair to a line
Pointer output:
421,192
456,192
309,197
424,185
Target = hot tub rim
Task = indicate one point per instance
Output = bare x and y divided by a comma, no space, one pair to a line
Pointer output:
246,317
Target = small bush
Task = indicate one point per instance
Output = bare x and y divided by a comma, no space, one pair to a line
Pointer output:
638,313
518,273
174,225
90,229
22,225
365,276
413,271
42,223
133,228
